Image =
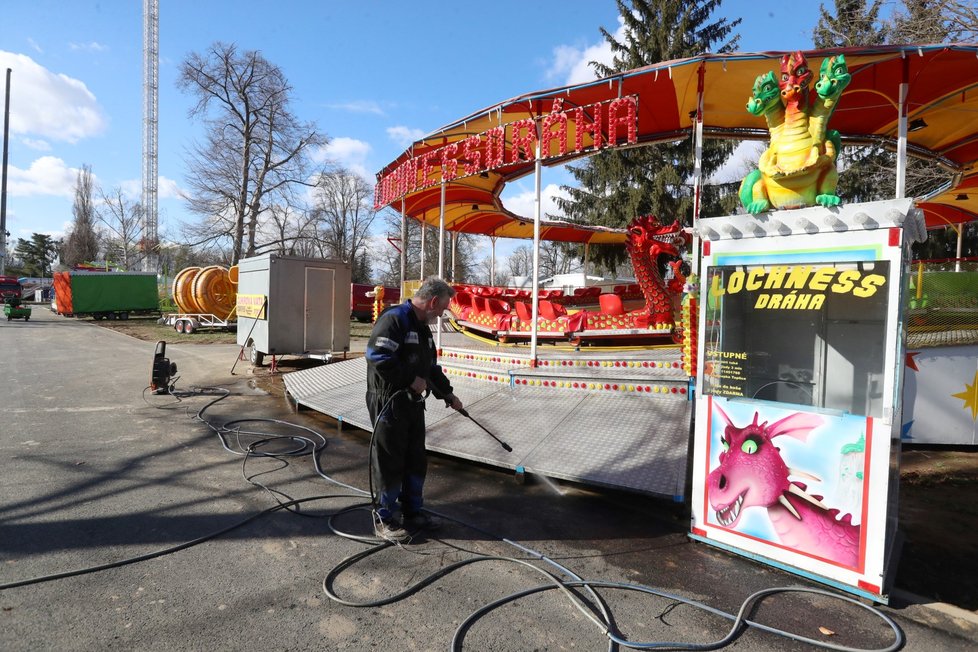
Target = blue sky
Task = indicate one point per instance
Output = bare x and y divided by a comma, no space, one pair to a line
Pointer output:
373,75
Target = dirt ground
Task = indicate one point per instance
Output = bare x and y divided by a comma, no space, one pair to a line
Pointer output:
938,508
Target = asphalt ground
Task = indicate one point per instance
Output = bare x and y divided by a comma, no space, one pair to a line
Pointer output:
96,471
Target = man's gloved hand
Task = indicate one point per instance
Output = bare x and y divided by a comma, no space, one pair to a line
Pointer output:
453,402
419,385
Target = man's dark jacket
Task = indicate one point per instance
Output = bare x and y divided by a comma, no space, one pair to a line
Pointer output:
401,348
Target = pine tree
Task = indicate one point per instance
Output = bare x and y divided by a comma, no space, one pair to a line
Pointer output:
614,186
855,23
37,254
867,173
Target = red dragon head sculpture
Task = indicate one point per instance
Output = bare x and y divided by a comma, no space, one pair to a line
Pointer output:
647,237
796,77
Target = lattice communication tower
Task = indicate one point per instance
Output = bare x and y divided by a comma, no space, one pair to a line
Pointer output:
151,88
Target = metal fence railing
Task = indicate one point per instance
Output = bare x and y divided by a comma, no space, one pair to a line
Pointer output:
942,303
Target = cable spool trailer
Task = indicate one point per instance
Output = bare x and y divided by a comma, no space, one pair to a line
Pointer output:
290,305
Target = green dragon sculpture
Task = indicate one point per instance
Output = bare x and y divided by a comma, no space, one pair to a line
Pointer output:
798,169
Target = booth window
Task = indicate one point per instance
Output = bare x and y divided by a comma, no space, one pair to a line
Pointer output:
799,333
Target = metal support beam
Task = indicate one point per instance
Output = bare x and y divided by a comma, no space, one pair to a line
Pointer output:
424,227
3,181
404,245
441,234
441,253
698,165
901,171
537,209
492,260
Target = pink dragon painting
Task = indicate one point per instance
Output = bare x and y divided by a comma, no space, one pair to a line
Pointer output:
752,473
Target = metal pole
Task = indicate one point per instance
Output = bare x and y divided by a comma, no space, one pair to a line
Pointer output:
3,181
404,238
698,168
957,263
423,229
492,261
901,171
441,234
537,171
454,244
441,253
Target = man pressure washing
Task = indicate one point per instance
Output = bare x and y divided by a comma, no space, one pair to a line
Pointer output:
401,368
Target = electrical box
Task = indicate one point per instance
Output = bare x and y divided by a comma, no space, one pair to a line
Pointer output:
289,305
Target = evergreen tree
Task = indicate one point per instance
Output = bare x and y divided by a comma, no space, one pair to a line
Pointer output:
82,243
868,173
37,254
855,23
614,186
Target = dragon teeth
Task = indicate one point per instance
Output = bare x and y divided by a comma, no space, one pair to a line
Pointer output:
728,515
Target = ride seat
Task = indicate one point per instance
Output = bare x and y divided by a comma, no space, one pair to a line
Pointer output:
524,311
611,304
550,310
497,307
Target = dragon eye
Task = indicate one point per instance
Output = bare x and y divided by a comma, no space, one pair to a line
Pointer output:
725,444
784,77
749,446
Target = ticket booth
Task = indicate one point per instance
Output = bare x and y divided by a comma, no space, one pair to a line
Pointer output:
798,388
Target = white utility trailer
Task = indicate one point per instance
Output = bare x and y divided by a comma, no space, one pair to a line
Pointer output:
289,305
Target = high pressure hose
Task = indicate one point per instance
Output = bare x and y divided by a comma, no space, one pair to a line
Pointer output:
310,442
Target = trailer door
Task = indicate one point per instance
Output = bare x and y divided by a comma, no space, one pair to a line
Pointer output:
318,330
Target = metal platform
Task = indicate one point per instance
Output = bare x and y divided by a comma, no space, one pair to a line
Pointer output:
624,426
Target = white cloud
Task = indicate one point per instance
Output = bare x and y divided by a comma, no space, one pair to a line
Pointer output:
91,46
741,162
47,175
169,189
37,48
165,189
571,62
49,105
348,152
404,136
524,203
358,106
39,145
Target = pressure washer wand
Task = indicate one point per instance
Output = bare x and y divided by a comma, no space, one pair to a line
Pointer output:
506,447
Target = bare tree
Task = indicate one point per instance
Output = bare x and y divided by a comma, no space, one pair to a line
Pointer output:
254,147
343,213
520,262
289,231
557,258
483,273
82,243
962,20
123,222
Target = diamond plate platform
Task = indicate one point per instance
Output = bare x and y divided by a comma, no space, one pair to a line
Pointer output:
625,438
